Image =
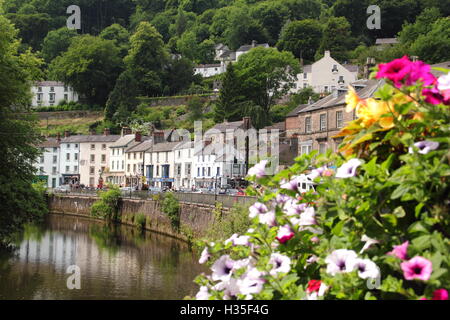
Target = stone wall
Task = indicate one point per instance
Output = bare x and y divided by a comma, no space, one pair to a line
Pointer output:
195,219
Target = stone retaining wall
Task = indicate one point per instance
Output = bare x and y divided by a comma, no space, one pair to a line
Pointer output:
195,219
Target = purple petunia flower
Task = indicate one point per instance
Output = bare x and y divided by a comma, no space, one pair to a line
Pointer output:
348,169
281,263
222,268
425,146
256,209
400,251
258,170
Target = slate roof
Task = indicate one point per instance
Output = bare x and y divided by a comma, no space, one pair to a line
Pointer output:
141,146
91,138
123,141
49,84
247,47
386,41
210,65
164,146
49,143
295,112
332,100
224,126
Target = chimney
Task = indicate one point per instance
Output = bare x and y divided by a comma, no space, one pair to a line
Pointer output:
158,136
207,142
125,131
310,100
92,132
247,122
370,63
58,137
106,132
254,43
414,58
327,54
66,134
137,137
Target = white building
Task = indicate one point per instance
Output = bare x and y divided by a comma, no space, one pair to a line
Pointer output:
50,93
69,164
117,157
184,166
326,75
47,164
159,164
134,160
209,70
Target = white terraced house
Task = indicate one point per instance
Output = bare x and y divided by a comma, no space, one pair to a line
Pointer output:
184,166
69,164
47,164
50,93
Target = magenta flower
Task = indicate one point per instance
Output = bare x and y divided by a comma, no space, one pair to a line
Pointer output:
400,251
396,70
284,234
433,96
421,71
440,294
417,268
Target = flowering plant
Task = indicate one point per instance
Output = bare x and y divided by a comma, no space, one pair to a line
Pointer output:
377,227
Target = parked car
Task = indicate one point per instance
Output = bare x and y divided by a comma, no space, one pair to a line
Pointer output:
232,192
154,190
65,188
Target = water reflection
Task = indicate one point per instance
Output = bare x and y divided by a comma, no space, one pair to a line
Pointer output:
116,262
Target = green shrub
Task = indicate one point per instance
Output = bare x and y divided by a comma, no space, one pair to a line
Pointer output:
171,207
140,220
108,206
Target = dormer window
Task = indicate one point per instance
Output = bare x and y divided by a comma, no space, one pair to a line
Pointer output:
335,69
341,79
39,89
52,89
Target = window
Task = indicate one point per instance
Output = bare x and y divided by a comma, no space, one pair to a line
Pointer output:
179,169
113,163
52,89
209,171
55,149
134,155
129,156
91,181
305,85
305,75
67,169
335,69
65,89
68,146
55,159
306,149
76,145
140,155
54,170
157,170
134,167
198,172
103,157
75,168
75,156
103,169
341,79
42,159
339,119
322,147
218,171
326,89
91,170
92,146
128,167
66,96
323,124
203,172
39,89
179,154
122,164
308,124
51,97
188,168
67,156
39,97
103,146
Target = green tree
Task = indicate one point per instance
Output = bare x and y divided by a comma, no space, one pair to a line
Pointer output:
422,25
19,201
302,38
337,39
32,27
195,108
355,13
229,104
119,35
91,66
122,100
179,75
265,75
56,42
272,15
147,58
434,46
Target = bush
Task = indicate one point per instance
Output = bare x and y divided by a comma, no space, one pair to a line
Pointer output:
377,227
108,206
140,220
171,207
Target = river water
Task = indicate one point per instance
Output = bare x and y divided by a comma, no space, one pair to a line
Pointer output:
115,262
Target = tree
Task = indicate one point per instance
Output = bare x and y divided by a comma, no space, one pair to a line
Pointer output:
33,27
122,100
355,13
119,35
265,75
229,104
91,66
195,108
302,38
272,15
337,39
56,42
19,201
147,58
179,75
422,25
434,46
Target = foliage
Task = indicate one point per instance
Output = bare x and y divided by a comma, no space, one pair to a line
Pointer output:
195,108
107,207
171,206
56,42
377,227
91,66
337,39
19,200
140,220
229,104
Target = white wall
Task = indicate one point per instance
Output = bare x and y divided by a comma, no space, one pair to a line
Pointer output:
73,149
49,163
58,91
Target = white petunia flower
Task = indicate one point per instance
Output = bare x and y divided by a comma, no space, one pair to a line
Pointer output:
281,263
368,242
341,260
203,293
348,169
204,256
256,209
366,269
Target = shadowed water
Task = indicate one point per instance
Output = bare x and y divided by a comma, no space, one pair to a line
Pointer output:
116,262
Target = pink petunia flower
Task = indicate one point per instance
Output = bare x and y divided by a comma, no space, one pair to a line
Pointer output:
420,71
440,294
396,70
433,96
417,268
400,251
284,234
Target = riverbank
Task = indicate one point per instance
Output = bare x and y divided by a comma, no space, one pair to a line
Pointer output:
195,218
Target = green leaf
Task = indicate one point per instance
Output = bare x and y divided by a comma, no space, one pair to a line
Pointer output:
399,212
390,218
337,229
417,227
421,243
400,191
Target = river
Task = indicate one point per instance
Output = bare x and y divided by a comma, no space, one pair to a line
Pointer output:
115,262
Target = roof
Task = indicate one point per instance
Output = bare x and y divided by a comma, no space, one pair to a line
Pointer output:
445,65
123,141
332,100
141,146
49,143
49,84
210,65
295,112
224,126
351,67
307,68
247,47
91,138
184,145
386,41
279,125
164,146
